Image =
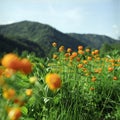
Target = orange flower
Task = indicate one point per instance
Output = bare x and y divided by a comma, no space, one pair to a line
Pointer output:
1,71
93,53
80,65
69,50
11,61
61,48
110,69
93,79
26,66
54,56
14,113
89,58
81,52
80,47
85,61
54,44
87,50
8,72
112,60
53,81
9,94
74,54
115,78
67,54
78,59
96,52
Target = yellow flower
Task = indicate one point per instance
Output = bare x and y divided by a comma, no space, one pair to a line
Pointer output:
33,79
54,44
53,81
80,66
81,52
85,61
67,54
87,50
89,58
14,113
55,56
69,50
8,72
61,48
80,47
29,92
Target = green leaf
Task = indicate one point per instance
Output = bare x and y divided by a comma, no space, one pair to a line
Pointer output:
24,110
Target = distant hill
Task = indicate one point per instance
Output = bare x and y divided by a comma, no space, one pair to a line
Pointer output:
93,40
34,36
41,34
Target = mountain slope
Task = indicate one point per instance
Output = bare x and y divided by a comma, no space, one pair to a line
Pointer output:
42,34
93,40
8,45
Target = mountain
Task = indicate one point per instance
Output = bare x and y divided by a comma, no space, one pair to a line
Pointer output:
9,45
41,34
37,37
93,40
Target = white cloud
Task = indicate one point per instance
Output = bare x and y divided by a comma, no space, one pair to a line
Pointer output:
116,30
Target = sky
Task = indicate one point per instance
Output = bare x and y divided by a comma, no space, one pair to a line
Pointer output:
69,16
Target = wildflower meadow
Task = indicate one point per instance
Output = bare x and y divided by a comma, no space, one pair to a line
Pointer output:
71,85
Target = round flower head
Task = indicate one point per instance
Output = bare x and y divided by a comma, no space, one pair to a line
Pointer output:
53,81
11,61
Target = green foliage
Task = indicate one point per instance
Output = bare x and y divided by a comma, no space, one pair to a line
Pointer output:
79,98
108,48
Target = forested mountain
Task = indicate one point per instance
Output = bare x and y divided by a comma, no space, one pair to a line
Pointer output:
41,34
37,37
93,40
20,45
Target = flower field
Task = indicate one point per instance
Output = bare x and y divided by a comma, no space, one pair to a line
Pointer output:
72,85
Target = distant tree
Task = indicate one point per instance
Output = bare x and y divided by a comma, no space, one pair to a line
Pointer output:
106,47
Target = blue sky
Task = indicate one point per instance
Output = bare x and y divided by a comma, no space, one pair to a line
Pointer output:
78,16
